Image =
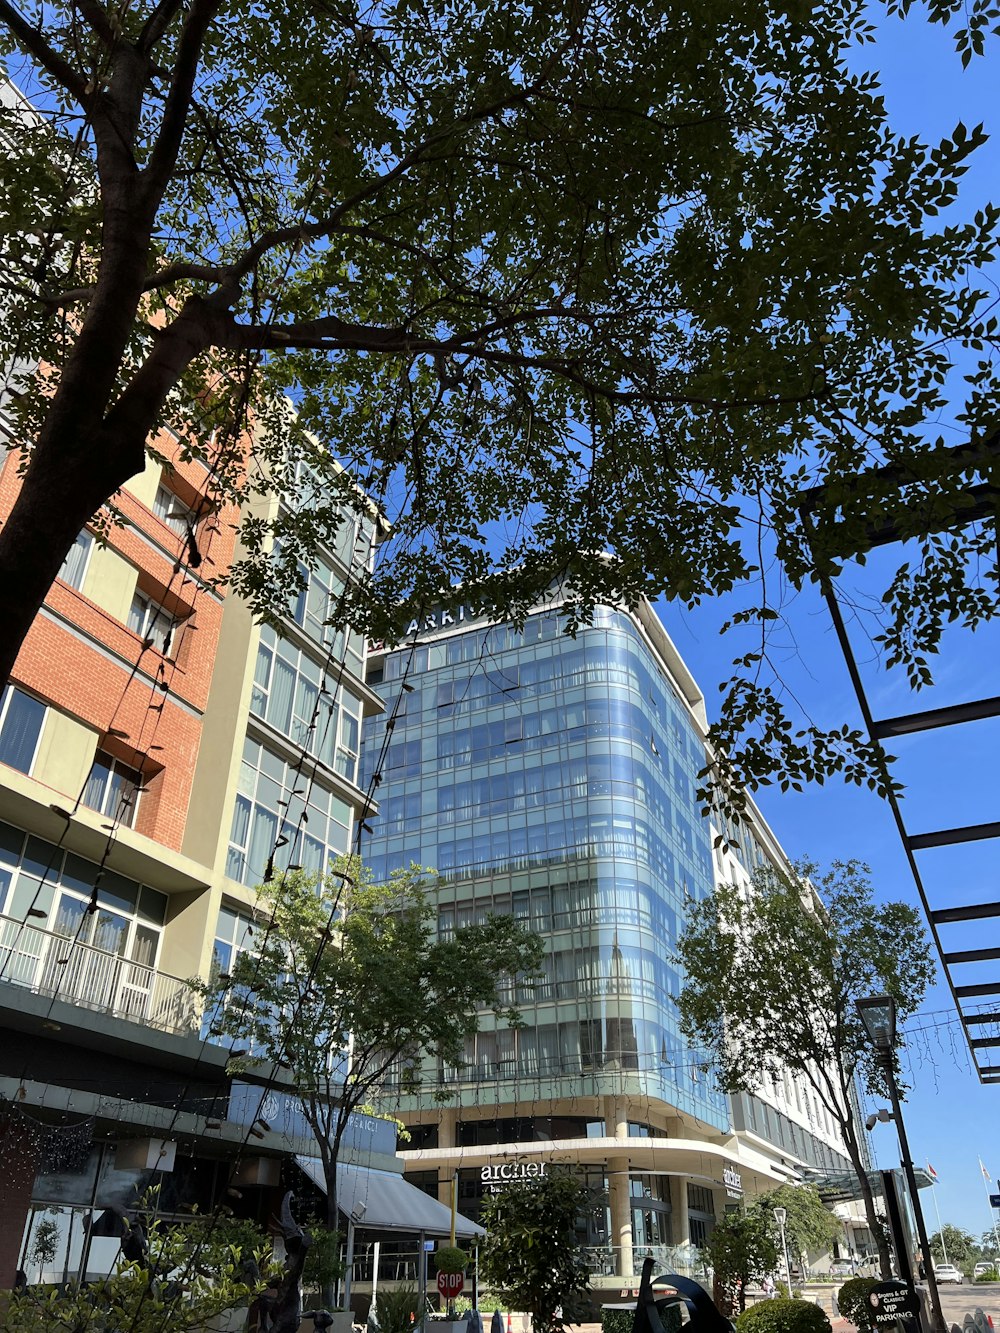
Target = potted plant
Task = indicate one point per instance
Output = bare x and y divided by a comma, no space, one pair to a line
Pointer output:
450,1259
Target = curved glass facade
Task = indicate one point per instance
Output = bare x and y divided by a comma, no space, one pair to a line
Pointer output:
554,778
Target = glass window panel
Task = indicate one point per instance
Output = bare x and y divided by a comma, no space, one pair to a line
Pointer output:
21,719
74,567
263,832
152,906
31,892
11,842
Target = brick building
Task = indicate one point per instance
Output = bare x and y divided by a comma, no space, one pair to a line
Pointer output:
157,752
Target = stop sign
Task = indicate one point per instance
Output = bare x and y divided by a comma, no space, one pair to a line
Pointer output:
450,1284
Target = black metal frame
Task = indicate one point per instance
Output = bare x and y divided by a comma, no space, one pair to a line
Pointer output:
982,504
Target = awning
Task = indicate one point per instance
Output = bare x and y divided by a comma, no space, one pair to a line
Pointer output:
383,1201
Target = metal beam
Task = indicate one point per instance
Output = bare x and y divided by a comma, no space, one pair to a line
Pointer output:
970,912
979,1042
974,710
980,1018
972,956
947,837
980,988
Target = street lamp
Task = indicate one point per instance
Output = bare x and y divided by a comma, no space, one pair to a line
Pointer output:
878,1014
781,1217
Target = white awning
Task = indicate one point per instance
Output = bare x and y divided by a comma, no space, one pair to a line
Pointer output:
383,1201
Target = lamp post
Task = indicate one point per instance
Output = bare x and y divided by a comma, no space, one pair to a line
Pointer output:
878,1014
781,1217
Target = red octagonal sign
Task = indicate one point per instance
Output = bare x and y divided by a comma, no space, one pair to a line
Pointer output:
451,1284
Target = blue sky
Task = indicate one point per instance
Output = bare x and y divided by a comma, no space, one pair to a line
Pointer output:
951,779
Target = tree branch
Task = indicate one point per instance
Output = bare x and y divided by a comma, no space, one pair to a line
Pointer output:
36,45
97,20
325,227
156,25
330,334
165,277
178,103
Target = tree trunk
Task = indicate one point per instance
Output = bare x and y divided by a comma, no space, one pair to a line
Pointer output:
875,1224
68,479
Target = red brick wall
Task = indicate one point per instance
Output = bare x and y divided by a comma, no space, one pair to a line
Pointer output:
132,690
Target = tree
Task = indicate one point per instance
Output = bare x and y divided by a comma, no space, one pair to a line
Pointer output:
531,1255
988,1247
809,1224
44,1243
954,1245
350,984
772,974
740,1250
550,281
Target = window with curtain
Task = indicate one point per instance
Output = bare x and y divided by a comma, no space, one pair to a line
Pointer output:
278,803
113,788
172,510
21,719
150,620
74,568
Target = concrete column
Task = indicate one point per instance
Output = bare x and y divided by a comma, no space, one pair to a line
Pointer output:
621,1215
679,1200
616,1117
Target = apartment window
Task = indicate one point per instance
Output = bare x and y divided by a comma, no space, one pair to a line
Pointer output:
278,807
150,620
113,788
21,719
74,567
173,511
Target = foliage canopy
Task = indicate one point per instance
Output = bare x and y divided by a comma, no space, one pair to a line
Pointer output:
531,1254
550,281
772,974
954,1245
741,1250
809,1224
350,984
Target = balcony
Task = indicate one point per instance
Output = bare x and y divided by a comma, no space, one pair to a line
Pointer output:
77,973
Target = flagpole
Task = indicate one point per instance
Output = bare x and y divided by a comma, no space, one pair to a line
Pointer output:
937,1214
986,1186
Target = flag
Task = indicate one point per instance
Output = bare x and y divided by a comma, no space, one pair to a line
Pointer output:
986,1174
931,1172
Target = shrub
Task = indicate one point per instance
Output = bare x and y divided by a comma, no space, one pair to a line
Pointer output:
783,1316
394,1310
450,1259
852,1300
991,1275
616,1321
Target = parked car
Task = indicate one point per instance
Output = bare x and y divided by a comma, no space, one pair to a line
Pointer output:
948,1273
985,1266
842,1268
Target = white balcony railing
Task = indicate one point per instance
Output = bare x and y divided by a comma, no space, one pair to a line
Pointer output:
57,966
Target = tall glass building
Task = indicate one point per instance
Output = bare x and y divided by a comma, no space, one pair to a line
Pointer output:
554,778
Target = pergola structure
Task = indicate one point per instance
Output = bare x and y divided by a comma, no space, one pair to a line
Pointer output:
822,512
